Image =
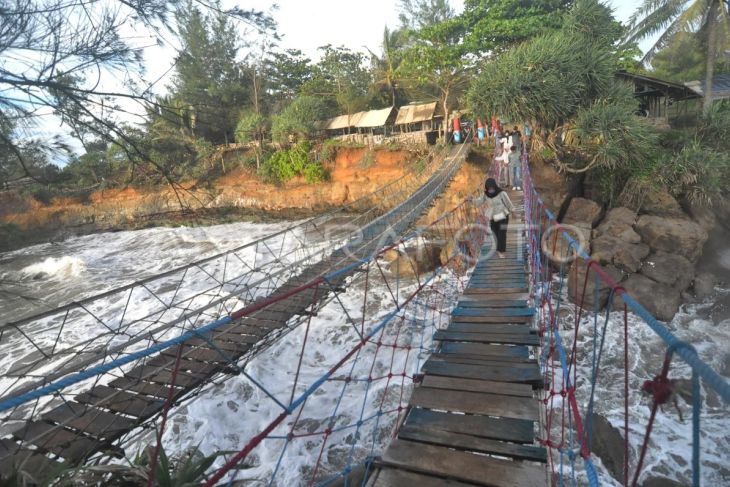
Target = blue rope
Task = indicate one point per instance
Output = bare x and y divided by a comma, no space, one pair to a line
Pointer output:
689,355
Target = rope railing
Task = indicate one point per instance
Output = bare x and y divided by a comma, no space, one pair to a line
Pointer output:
32,406
42,348
556,257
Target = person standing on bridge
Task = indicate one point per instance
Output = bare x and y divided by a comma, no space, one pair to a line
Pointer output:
499,207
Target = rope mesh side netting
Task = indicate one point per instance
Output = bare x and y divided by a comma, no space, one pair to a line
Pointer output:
332,390
584,319
88,409
50,344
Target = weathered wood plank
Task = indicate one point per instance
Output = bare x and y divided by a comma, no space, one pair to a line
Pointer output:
461,441
476,403
121,401
508,303
481,360
493,319
505,429
393,477
52,438
477,385
143,387
514,338
468,467
495,290
489,328
93,421
485,349
502,373
508,312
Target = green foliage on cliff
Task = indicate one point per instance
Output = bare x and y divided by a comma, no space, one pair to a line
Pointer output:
286,164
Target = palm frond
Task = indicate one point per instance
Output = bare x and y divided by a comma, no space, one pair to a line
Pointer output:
654,16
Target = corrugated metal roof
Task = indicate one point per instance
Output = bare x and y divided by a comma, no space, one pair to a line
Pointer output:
720,86
415,113
344,121
374,118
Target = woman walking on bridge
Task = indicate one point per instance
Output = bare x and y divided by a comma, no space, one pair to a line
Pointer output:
499,207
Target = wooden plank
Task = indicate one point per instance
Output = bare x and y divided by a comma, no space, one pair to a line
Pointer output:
493,319
503,373
121,401
52,438
495,290
508,312
489,328
143,387
468,467
164,377
481,360
477,385
476,403
507,338
507,303
468,442
94,421
393,477
505,429
485,349
487,297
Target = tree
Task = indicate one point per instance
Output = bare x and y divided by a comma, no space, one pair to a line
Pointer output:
708,19
682,60
548,79
207,77
341,77
288,71
252,127
385,66
417,14
71,57
493,26
299,120
437,60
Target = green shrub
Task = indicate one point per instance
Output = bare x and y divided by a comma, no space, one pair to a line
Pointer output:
329,150
288,163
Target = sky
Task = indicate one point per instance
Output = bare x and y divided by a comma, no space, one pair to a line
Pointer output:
309,24
304,25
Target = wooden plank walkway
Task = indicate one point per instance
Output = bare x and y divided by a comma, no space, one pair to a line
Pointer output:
92,421
472,419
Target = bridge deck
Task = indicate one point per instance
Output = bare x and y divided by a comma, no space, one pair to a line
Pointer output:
472,419
91,421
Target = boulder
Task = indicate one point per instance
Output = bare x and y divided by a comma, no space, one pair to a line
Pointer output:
628,256
603,248
672,235
416,260
661,203
703,215
670,269
619,223
662,482
582,210
704,285
577,280
660,300
608,444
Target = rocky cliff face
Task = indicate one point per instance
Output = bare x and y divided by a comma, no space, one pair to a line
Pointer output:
239,192
653,251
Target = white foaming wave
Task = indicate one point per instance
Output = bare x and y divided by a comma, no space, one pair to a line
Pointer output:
60,268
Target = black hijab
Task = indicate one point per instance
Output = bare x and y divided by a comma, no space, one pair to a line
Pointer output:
491,184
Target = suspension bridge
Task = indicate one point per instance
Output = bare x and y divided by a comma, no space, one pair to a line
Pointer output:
462,375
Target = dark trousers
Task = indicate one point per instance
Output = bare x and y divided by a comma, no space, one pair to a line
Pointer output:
499,229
